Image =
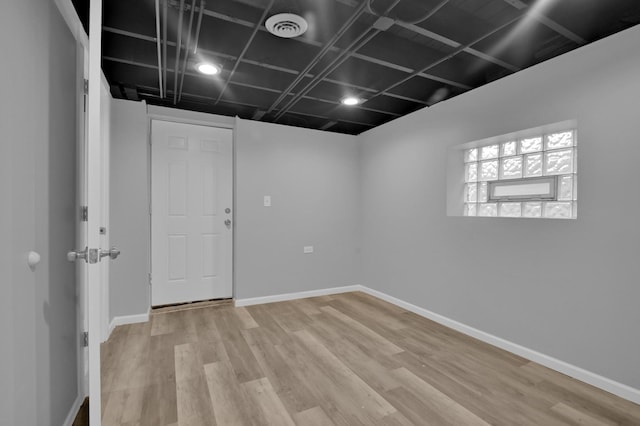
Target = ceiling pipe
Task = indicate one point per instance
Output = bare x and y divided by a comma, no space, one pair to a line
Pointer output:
186,49
246,47
178,48
159,48
164,46
346,54
200,12
327,47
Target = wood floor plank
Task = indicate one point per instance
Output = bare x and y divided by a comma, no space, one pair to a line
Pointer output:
314,416
384,344
192,393
159,405
578,417
342,360
295,394
449,410
245,318
340,404
162,323
579,394
264,317
231,406
360,310
377,375
244,364
267,402
345,379
193,402
487,401
307,306
288,316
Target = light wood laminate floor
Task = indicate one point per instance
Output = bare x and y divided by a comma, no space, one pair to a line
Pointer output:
348,359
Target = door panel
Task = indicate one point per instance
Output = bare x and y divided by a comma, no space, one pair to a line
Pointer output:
191,190
38,356
56,331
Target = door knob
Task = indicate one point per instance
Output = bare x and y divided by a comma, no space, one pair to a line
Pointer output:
72,256
227,222
113,253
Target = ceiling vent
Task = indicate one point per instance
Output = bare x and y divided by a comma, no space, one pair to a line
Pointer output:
286,25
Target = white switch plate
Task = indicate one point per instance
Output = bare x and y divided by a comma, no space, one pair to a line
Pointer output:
307,249
267,200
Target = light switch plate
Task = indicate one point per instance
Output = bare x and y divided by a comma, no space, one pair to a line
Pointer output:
267,200
307,249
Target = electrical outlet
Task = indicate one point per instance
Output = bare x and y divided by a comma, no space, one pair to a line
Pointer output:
267,200
307,249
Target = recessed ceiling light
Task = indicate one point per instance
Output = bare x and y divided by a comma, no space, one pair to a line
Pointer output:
350,101
208,68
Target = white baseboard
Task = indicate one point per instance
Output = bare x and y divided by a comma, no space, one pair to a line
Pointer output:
127,319
616,388
297,295
73,412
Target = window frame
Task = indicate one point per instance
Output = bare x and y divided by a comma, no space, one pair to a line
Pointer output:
562,180
552,195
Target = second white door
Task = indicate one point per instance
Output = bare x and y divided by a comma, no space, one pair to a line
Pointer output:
191,217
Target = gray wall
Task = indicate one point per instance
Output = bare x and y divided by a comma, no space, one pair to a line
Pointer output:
568,289
129,209
312,178
38,112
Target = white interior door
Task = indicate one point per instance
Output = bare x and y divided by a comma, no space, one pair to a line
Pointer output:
191,217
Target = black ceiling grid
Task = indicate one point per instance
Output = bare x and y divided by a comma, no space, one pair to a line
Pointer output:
396,55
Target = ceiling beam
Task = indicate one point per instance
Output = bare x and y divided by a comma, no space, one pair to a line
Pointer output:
251,86
549,23
206,101
365,36
445,40
244,50
452,43
328,125
334,49
330,43
286,70
455,52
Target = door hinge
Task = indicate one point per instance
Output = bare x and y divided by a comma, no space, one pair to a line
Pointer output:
86,86
84,213
149,278
85,339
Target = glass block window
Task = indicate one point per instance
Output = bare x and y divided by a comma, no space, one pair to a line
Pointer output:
500,179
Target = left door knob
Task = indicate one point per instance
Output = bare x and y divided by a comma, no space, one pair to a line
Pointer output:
72,256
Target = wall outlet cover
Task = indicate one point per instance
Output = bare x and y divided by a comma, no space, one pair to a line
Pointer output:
307,249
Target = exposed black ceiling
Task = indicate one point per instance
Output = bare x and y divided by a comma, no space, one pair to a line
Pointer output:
432,50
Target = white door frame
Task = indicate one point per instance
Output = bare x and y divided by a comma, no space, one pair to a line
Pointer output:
199,119
94,201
